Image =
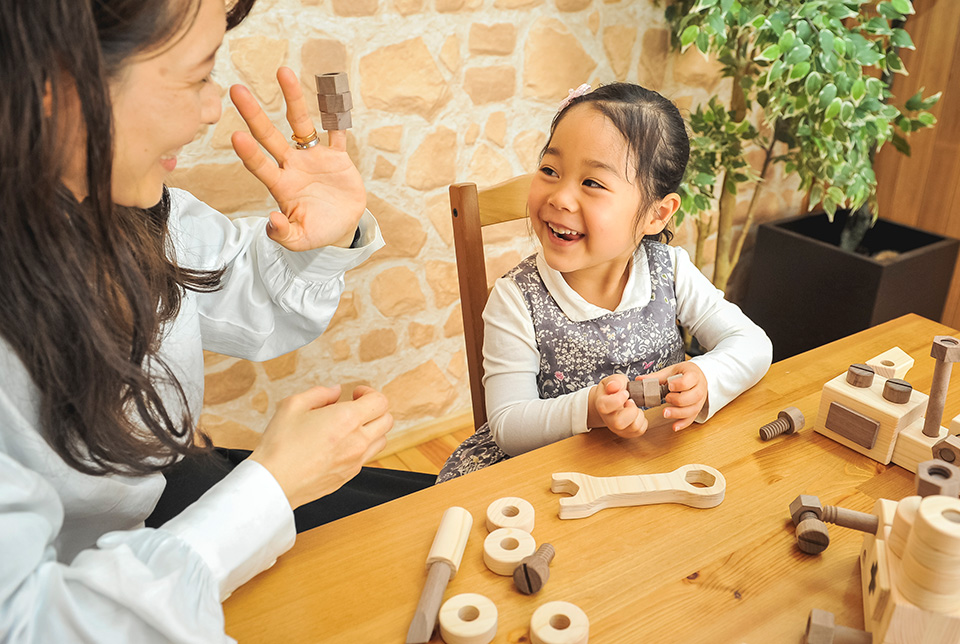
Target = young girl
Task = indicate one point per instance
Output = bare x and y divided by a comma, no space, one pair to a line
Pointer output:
598,305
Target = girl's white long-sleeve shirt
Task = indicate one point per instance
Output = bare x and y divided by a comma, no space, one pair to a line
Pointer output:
76,563
738,351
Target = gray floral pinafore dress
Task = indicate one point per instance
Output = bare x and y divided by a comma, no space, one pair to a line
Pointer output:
575,355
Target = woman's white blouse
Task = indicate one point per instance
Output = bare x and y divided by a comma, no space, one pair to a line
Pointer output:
76,563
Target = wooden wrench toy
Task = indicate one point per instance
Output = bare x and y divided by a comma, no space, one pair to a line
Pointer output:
699,486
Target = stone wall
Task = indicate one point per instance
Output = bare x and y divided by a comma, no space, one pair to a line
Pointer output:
444,91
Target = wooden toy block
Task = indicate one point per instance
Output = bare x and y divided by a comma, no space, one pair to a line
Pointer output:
948,449
505,548
788,421
510,512
852,425
443,561
915,597
914,447
335,120
468,618
955,426
592,494
936,477
869,402
335,102
533,571
332,83
559,622
892,363
822,629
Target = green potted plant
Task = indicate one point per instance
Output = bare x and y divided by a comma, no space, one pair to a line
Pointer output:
810,87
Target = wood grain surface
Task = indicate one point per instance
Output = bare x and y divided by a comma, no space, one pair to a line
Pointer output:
658,573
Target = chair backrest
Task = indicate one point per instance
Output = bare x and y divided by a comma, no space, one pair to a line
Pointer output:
471,210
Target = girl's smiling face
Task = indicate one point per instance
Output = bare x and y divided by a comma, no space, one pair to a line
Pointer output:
160,102
584,203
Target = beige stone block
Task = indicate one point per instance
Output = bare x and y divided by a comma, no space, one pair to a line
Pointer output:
420,335
319,56
454,324
228,187
423,392
408,7
386,138
506,233
528,145
257,59
593,22
498,265
260,402
488,167
555,61
403,78
497,40
433,163
229,384
451,6
229,123
654,47
618,44
396,292
697,70
438,212
383,169
470,137
377,344
490,84
573,5
450,53
227,433
403,234
354,8
281,367
457,367
346,389
340,350
496,128
442,278
210,358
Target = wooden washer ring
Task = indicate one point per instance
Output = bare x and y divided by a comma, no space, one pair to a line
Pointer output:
468,618
510,512
559,623
505,548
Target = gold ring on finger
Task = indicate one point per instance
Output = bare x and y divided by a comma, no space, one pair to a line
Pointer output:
304,142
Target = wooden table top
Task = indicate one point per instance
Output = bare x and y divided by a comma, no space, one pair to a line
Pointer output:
656,573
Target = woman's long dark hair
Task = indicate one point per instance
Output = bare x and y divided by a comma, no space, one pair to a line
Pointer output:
85,288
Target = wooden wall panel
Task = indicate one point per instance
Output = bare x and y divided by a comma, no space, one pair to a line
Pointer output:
923,190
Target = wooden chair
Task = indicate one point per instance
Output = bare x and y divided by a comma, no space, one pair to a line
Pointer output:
472,209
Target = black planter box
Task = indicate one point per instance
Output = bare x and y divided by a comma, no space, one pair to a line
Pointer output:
804,291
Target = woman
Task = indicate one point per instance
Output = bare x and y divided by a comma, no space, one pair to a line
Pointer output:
112,284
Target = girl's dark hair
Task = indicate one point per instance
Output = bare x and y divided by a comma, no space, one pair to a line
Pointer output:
656,137
86,288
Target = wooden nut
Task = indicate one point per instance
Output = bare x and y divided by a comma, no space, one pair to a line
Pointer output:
948,450
937,477
510,512
468,618
860,375
332,83
505,548
945,349
335,102
897,391
559,623
335,120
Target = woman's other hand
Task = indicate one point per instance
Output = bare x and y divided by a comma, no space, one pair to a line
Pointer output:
319,190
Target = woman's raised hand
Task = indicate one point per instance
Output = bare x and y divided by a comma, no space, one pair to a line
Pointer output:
319,190
314,444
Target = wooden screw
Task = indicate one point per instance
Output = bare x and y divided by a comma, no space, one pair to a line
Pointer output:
811,518
789,420
533,571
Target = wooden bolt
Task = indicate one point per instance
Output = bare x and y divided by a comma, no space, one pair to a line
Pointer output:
533,571
789,420
946,351
821,629
810,518
860,375
897,391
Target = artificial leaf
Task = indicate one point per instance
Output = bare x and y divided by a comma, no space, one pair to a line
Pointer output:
813,83
903,6
834,109
858,90
689,35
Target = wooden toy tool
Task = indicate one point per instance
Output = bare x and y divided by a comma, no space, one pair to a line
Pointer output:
443,561
335,100
592,494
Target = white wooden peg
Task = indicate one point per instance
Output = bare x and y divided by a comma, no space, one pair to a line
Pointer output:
451,539
592,494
